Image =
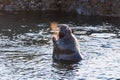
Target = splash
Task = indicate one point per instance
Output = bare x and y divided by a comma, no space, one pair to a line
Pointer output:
54,27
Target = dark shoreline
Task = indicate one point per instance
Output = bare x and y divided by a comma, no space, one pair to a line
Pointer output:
80,7
2,12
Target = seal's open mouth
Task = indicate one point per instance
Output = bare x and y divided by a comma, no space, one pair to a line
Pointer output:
61,35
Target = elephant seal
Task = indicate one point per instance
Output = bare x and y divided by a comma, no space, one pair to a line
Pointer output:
66,47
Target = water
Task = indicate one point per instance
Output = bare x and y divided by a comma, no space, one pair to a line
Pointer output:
26,47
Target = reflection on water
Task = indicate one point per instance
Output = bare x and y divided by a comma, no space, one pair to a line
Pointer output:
26,48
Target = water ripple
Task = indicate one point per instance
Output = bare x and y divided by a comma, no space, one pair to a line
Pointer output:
26,52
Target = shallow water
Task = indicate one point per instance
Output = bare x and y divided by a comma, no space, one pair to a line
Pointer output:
26,47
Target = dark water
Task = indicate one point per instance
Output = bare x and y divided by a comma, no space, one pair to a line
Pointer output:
26,47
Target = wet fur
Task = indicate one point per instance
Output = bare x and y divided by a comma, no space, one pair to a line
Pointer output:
66,48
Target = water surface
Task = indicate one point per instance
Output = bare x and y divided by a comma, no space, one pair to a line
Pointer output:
26,47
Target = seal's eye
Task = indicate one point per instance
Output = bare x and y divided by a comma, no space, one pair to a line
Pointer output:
61,35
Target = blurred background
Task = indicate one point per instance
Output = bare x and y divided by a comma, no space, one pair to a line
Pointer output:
26,39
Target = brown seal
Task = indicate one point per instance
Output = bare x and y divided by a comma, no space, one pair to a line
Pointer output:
66,47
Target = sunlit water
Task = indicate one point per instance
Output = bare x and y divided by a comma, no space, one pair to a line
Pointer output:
26,48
